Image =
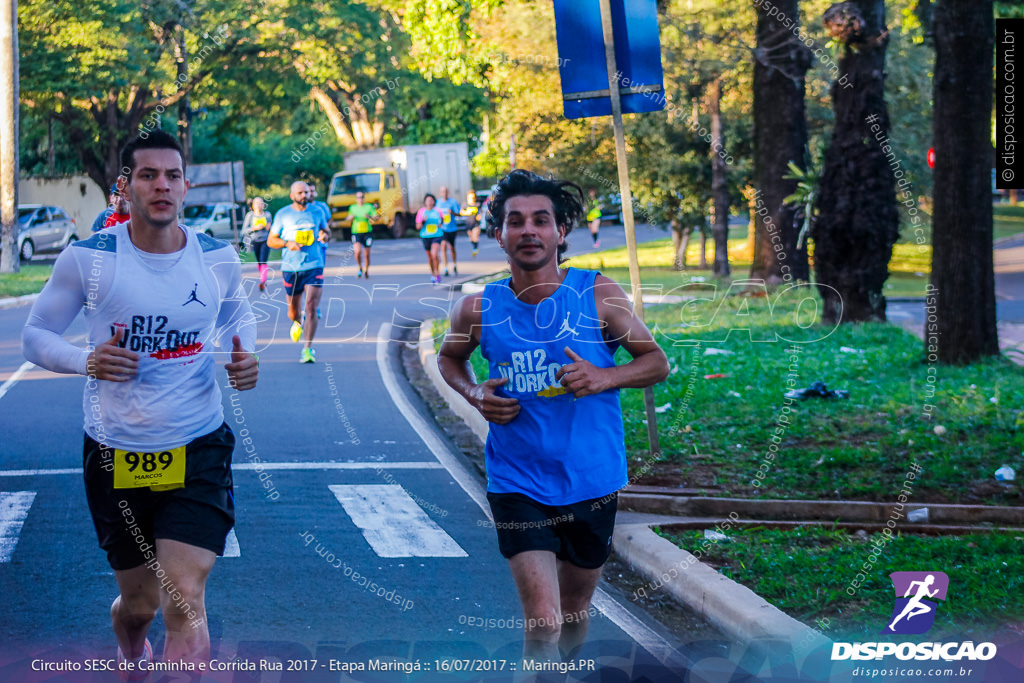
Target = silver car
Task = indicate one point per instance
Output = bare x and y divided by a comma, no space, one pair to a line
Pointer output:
43,228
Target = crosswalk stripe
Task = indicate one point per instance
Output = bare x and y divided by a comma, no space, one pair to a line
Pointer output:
250,466
14,507
231,548
392,523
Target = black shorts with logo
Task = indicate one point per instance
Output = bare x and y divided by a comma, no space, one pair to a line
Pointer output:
201,513
579,533
363,238
296,281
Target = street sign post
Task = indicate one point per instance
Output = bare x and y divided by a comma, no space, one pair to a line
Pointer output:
629,80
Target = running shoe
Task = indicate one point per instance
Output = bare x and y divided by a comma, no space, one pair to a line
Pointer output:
360,274
263,286
475,252
317,312
308,356
296,331
455,270
597,244
367,275
135,674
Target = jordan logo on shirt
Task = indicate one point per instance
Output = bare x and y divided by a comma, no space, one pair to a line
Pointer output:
566,327
192,297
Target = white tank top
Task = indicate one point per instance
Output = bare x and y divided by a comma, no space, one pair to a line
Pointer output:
167,305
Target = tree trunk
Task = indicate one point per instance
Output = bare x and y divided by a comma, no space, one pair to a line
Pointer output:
680,241
356,128
9,262
184,106
780,137
719,182
857,220
962,269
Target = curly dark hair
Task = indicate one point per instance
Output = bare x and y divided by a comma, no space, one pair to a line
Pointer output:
565,196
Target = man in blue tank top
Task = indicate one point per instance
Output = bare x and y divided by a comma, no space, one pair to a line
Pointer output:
555,453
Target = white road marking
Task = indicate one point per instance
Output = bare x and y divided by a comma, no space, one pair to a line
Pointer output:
392,523
461,475
13,379
231,548
249,466
13,511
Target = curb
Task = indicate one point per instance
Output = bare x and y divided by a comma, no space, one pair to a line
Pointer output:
15,301
731,607
644,499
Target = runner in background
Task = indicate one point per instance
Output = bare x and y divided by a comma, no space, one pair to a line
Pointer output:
295,229
449,209
594,217
256,229
156,296
325,234
116,213
362,231
428,222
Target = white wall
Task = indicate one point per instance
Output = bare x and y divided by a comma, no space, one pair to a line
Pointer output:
78,195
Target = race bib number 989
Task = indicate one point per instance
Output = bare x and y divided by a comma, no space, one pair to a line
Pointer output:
160,470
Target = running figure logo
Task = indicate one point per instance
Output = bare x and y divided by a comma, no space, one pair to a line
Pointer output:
912,613
566,328
192,297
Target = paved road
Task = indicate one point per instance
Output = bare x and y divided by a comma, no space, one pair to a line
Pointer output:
364,540
1009,275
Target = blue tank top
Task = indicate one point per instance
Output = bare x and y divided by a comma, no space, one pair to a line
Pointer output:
431,224
559,450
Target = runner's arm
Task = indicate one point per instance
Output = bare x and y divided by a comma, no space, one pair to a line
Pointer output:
274,240
235,316
236,324
453,362
649,364
58,304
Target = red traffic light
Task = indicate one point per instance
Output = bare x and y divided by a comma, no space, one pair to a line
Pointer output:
931,157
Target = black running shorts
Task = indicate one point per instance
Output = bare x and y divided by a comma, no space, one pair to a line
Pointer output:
296,281
128,520
580,533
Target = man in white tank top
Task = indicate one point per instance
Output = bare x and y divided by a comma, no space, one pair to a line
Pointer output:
156,298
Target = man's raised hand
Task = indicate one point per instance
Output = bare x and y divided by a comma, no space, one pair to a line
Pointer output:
244,368
110,362
582,377
494,408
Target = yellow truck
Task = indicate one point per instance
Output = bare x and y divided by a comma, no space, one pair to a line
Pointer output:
396,179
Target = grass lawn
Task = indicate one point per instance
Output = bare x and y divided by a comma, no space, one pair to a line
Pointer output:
909,267
1007,220
959,423
986,577
29,281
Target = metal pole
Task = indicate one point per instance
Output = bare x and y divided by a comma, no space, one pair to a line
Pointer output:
627,204
9,136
